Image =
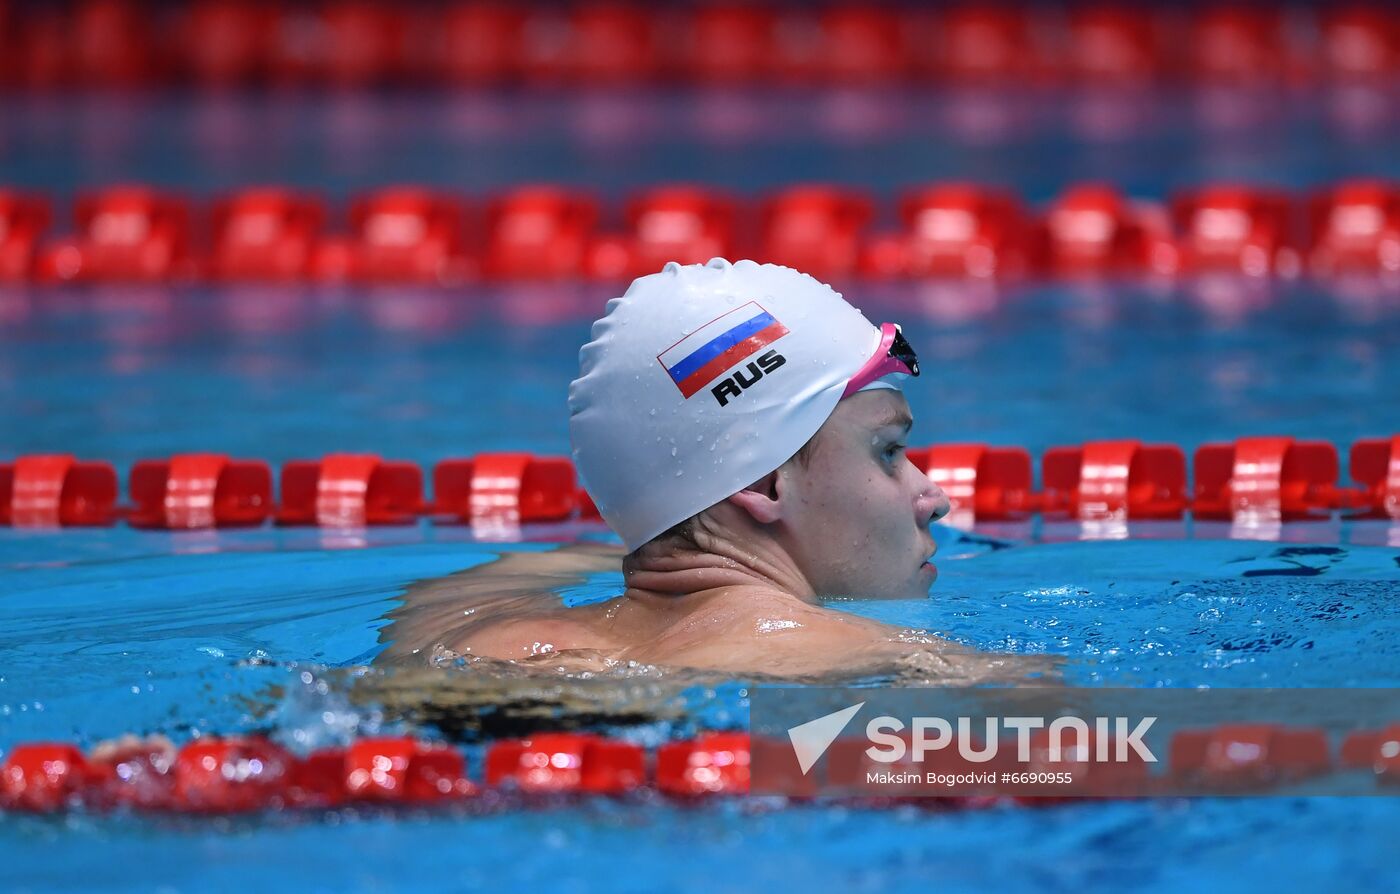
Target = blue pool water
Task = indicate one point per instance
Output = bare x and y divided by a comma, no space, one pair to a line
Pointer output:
108,631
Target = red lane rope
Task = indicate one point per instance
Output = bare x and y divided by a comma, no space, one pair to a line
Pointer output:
360,43
1255,479
550,233
249,773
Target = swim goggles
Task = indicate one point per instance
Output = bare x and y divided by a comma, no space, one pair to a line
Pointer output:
894,355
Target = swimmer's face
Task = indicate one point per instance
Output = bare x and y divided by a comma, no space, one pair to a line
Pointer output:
858,513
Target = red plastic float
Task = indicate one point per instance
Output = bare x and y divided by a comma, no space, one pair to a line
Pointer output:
136,774
1104,480
1375,750
841,44
1114,44
125,233
1248,755
408,234
1359,41
816,229
350,490
954,230
265,234
112,43
1355,227
56,490
685,224
562,763
1265,478
233,775
716,763
728,42
1237,43
982,42
1235,229
42,777
480,42
225,42
1092,229
405,771
517,488
23,220
988,483
539,233
1375,465
200,490
347,43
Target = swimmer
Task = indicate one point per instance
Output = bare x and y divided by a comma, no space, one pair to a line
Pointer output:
743,429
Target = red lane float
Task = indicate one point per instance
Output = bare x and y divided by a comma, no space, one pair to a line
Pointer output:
816,229
1248,755
716,763
566,763
1359,41
409,234
1107,480
1237,43
23,220
1235,229
539,233
728,42
48,491
1265,478
1113,44
954,230
233,775
268,234
223,43
350,490
478,43
988,483
1093,229
1374,750
517,488
43,777
125,234
1355,228
686,224
199,490
1375,465
404,770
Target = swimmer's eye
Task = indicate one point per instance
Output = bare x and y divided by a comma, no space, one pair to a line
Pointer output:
893,451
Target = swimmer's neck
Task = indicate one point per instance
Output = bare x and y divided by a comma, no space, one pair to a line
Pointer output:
676,570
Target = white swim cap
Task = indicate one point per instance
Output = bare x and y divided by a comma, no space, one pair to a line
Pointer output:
702,379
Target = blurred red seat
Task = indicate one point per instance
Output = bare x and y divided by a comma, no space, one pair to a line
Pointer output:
1113,44
1355,227
124,233
686,224
539,232
724,42
481,42
817,229
1233,228
1093,229
225,42
23,220
267,234
409,234
1237,43
954,229
1359,41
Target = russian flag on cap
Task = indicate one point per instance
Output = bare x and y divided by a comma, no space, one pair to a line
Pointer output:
702,356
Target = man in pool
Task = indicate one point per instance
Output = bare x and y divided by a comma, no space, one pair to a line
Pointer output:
743,429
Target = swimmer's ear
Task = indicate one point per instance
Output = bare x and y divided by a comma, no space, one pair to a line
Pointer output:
761,499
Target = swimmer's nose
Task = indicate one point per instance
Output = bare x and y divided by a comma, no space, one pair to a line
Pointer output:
932,505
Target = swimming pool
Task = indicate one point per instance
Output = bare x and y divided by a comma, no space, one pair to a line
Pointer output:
115,630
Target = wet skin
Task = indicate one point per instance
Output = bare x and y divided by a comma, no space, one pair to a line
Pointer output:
744,597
